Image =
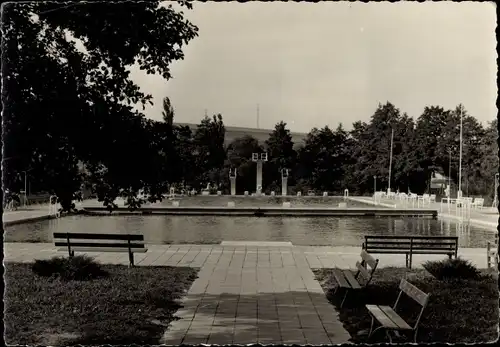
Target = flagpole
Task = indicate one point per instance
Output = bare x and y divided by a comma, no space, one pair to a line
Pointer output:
460,165
390,160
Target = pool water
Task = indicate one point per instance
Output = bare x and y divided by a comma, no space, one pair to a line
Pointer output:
325,231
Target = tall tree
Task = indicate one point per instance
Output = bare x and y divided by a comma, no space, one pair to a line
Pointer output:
322,157
373,148
281,153
209,148
60,96
168,111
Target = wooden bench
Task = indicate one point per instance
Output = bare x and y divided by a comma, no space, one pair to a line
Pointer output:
346,280
129,243
390,320
409,245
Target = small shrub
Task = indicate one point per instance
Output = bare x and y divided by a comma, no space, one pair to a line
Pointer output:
450,269
79,268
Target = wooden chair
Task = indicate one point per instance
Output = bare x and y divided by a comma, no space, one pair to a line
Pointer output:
390,320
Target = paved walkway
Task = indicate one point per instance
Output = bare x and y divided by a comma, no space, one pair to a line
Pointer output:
24,215
248,294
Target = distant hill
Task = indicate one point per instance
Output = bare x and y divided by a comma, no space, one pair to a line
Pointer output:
260,134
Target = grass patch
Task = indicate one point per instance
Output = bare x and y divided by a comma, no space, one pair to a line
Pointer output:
461,311
116,309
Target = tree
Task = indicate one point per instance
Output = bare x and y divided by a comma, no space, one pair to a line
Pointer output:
60,96
281,153
168,112
210,153
372,143
322,159
489,161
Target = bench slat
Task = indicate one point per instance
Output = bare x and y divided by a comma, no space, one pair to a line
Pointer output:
403,237
388,250
368,259
131,237
413,292
389,312
415,244
381,317
432,251
117,250
362,270
339,277
99,244
350,278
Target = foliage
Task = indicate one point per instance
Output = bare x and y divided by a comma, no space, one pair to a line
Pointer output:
323,159
168,111
78,268
465,313
67,70
210,153
114,310
451,269
281,155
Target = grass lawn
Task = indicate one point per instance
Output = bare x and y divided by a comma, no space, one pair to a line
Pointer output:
458,312
118,309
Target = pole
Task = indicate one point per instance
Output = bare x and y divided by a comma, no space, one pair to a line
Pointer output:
25,187
390,160
449,171
460,166
257,116
374,185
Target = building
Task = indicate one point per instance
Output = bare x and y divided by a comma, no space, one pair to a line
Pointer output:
261,135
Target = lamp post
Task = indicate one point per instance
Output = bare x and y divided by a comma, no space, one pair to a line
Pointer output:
449,172
26,186
374,185
390,161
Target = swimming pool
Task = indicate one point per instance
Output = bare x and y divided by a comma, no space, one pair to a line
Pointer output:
326,231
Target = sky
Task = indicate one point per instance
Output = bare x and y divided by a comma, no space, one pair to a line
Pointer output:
317,64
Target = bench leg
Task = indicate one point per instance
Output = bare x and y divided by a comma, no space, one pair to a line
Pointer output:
371,328
345,296
131,259
388,334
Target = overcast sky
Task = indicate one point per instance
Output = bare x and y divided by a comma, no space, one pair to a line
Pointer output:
320,64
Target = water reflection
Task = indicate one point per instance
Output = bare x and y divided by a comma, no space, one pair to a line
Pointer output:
333,231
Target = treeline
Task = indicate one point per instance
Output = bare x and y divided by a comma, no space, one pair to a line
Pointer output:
335,159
